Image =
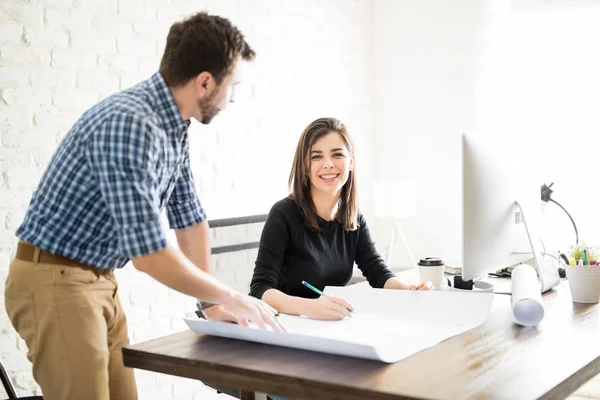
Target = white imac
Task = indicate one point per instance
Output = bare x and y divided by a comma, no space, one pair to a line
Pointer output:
501,210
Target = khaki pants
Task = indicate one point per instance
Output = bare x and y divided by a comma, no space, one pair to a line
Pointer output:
74,327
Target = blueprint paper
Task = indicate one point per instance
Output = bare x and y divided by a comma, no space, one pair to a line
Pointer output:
387,325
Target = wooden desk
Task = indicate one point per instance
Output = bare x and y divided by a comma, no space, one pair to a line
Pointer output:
498,360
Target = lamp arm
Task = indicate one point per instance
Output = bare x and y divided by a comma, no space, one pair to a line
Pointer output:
571,218
388,257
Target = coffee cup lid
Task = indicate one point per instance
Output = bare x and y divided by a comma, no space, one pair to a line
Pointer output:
431,261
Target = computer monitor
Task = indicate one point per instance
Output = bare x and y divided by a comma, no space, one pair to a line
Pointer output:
501,209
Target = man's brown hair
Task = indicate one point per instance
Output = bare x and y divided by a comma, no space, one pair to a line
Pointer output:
201,43
299,181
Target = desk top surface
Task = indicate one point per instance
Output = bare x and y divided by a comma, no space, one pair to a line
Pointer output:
495,360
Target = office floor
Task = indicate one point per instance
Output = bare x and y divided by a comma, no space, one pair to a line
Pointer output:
590,390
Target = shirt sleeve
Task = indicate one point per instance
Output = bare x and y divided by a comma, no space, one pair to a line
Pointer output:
184,208
273,243
368,259
124,156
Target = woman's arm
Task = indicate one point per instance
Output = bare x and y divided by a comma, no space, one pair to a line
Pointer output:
324,308
286,304
274,241
396,283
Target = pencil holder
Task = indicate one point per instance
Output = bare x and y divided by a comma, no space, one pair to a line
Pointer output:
584,281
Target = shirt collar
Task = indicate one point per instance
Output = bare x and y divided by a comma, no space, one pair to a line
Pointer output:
166,106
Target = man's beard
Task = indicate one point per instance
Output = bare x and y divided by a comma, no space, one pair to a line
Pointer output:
209,111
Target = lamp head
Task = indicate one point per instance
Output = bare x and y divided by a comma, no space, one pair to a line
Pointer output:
546,192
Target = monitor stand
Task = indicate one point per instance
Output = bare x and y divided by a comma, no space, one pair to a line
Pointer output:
547,267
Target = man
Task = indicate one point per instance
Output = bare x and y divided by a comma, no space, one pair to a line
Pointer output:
98,206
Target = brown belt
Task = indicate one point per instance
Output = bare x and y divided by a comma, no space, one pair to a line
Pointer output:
28,252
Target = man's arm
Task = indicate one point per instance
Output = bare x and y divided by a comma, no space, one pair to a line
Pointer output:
194,243
188,219
130,191
173,269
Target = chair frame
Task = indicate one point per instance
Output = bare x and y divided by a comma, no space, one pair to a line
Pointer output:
8,386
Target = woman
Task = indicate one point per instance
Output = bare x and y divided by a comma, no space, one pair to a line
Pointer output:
317,233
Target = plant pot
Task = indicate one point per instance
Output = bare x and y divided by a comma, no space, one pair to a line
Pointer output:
584,281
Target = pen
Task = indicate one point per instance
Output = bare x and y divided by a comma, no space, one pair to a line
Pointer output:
317,291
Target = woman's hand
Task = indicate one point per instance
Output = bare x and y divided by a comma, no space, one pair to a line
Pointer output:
427,285
328,308
395,283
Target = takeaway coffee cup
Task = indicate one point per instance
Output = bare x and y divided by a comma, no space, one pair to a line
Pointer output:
432,269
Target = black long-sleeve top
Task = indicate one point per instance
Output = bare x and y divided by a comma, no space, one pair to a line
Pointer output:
290,253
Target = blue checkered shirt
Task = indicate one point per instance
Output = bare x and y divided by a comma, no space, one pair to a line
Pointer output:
100,200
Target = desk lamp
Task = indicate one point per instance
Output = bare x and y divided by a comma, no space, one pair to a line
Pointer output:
395,199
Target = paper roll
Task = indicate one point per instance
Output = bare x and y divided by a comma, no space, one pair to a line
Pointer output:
527,306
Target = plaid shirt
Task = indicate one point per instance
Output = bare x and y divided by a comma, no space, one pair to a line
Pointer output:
99,202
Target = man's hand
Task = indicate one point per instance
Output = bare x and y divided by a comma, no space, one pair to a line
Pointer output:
251,309
218,313
170,267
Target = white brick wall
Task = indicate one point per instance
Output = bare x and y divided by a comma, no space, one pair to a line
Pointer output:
58,57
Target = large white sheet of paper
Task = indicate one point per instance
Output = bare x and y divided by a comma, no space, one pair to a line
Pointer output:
387,325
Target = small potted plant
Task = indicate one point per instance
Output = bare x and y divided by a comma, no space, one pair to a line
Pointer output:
577,251
584,275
